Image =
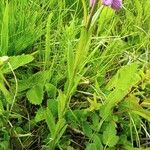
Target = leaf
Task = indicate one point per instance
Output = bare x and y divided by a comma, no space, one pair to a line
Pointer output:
50,120
52,104
95,121
126,77
35,94
4,31
40,115
97,141
109,135
91,146
106,13
38,78
8,96
16,62
95,17
47,42
87,129
1,105
3,60
128,147
120,84
131,103
61,104
146,103
4,145
60,129
94,105
51,90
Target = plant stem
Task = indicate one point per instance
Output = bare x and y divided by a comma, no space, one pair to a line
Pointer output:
91,16
85,11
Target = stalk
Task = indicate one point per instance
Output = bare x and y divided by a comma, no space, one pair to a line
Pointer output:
91,16
81,53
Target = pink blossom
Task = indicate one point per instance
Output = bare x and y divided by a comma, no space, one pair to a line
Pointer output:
115,4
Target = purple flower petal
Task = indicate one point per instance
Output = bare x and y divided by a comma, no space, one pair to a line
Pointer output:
92,2
107,2
116,4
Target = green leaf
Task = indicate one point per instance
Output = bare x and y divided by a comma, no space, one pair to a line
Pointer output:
8,96
97,141
4,31
16,62
48,38
126,77
95,17
61,104
132,104
3,60
94,105
35,79
51,90
109,135
35,94
120,85
103,22
91,146
40,115
52,104
1,107
50,120
128,147
60,129
87,129
95,121
4,145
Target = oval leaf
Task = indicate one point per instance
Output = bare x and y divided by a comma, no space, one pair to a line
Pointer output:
35,94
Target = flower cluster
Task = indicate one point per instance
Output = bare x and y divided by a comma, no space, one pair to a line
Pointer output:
115,4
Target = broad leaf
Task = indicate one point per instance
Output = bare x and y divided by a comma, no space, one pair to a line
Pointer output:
16,62
121,84
35,94
91,146
132,104
38,78
87,129
109,135
40,115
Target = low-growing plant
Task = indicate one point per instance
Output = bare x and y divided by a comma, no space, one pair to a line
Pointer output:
76,76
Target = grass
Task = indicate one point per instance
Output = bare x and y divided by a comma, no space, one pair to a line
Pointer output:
75,77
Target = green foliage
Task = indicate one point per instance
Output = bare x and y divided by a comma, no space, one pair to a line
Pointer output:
40,115
132,103
109,135
4,31
16,62
35,94
74,77
121,84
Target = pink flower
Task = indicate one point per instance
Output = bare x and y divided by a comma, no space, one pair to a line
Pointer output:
115,4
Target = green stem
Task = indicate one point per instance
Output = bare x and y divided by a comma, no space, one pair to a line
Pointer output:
91,16
85,11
